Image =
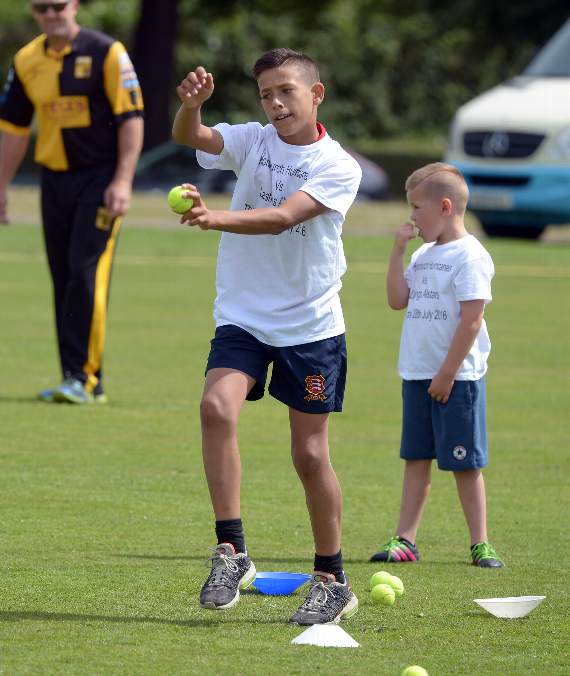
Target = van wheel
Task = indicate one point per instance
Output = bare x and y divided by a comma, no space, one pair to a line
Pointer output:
513,231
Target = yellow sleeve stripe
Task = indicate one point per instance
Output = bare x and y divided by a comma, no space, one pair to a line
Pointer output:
13,129
121,83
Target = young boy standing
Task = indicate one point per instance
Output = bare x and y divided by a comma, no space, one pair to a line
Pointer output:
280,263
443,357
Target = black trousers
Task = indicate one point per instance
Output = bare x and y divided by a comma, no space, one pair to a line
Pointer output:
80,240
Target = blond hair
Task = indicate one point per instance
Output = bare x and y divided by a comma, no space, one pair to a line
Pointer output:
441,180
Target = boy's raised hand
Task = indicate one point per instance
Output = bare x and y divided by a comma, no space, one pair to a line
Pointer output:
196,88
404,234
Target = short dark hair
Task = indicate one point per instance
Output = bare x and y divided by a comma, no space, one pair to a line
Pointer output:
278,57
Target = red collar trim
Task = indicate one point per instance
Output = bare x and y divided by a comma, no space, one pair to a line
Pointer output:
322,131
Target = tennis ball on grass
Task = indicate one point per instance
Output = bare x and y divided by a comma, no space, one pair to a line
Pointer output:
414,670
383,594
177,203
397,585
381,577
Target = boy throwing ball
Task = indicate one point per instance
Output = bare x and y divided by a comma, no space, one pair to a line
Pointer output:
443,357
278,278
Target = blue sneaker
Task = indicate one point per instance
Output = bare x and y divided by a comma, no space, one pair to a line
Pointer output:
49,396
71,391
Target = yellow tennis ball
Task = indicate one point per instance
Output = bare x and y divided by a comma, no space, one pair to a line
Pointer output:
414,670
381,577
383,594
177,203
397,585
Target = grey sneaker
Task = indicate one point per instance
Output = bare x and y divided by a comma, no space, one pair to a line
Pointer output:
230,573
328,601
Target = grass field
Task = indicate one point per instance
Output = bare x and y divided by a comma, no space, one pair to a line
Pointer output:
105,514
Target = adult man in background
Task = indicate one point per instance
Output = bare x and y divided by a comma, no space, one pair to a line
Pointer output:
84,91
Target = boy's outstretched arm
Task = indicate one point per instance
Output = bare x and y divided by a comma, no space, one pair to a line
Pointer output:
396,285
265,221
469,324
193,91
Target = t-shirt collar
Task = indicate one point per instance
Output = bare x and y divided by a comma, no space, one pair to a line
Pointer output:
71,47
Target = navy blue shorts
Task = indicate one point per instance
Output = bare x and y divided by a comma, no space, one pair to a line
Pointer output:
455,433
309,378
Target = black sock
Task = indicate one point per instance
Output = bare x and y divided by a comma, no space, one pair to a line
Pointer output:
331,564
231,530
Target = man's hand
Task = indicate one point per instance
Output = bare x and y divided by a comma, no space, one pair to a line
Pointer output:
404,234
440,387
117,198
4,220
199,214
196,88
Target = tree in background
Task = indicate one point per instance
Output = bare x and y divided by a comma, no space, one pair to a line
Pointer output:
392,68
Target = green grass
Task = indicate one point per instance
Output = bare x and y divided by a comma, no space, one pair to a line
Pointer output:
105,514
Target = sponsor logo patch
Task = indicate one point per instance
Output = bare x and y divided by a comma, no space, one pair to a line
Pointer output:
129,78
83,65
315,386
459,452
68,111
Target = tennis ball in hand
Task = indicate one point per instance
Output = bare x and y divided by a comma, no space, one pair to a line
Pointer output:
414,670
383,594
381,577
177,203
397,585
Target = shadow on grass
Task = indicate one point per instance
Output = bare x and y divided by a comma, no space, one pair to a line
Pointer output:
21,400
39,616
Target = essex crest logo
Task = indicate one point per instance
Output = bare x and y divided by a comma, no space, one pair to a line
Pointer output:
315,386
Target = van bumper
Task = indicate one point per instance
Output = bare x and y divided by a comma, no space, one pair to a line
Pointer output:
533,195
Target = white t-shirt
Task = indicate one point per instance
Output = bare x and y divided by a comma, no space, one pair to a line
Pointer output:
283,289
439,277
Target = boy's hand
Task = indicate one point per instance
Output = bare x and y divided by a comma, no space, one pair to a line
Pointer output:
199,214
440,387
196,88
404,234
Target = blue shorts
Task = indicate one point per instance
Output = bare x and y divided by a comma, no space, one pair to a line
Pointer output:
309,378
455,433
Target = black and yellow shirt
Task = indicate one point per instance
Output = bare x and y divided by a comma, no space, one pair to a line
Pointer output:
80,95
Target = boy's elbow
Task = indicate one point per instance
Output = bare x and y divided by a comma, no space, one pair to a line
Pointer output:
177,136
397,304
397,301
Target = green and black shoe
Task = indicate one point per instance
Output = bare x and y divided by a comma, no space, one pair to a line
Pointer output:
484,556
397,550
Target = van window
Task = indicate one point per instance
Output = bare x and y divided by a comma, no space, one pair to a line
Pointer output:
554,59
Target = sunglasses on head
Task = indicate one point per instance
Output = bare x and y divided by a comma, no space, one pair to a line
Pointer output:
43,8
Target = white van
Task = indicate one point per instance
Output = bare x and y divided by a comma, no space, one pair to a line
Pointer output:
512,144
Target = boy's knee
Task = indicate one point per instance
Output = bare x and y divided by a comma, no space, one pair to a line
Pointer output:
215,412
310,461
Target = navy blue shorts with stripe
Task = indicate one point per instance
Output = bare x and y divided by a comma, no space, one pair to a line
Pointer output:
455,433
309,378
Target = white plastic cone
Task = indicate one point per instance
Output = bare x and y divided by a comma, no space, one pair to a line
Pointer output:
327,636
